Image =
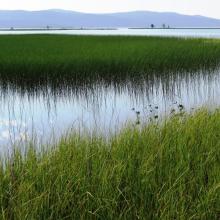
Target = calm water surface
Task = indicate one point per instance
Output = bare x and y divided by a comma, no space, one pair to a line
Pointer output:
207,33
46,115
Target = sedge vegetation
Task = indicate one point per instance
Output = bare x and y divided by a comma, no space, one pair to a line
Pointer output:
32,58
168,170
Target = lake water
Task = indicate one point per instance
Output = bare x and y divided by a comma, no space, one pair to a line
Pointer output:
45,115
207,33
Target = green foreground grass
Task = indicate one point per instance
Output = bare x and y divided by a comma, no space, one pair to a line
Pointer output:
168,170
31,57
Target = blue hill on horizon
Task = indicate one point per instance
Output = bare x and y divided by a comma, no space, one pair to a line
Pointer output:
58,18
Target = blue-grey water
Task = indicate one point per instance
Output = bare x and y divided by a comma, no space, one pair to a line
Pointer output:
45,117
207,33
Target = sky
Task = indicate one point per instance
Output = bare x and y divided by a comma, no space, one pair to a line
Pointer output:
208,8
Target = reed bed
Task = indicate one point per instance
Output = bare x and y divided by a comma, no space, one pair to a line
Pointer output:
168,170
36,58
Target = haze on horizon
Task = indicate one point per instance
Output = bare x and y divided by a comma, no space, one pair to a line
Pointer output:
189,7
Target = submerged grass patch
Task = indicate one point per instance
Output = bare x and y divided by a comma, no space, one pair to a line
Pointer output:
38,57
162,171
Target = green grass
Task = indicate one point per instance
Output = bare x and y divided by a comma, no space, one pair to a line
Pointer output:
162,171
38,57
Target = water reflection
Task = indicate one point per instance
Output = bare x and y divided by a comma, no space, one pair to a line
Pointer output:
44,112
196,32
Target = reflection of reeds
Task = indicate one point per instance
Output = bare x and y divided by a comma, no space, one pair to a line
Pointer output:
101,100
169,84
163,171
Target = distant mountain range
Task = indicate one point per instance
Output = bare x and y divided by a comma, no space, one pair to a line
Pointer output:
69,19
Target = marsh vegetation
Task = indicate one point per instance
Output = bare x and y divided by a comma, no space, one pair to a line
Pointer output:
148,106
57,58
163,171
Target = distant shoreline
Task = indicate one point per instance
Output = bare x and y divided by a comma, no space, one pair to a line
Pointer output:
177,28
104,29
57,29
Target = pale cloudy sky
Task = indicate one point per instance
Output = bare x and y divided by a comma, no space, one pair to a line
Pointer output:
209,8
